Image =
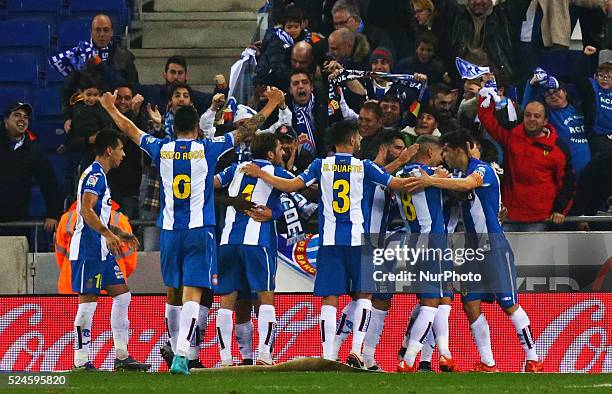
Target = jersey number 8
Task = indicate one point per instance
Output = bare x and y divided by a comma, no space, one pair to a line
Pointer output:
341,203
408,207
181,186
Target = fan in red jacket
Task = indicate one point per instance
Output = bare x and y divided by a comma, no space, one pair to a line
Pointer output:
539,182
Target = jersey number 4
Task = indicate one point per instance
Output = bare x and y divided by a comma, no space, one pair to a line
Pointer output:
341,203
408,207
181,186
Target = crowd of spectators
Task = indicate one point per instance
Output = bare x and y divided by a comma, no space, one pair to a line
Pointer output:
550,134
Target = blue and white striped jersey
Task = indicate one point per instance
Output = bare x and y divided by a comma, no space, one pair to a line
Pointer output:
86,243
186,169
240,229
481,211
343,183
422,211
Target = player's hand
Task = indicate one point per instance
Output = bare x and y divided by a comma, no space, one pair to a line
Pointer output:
137,103
557,218
408,153
275,95
242,205
67,125
130,239
473,150
503,214
154,114
113,243
441,172
261,213
252,169
49,224
590,50
217,102
107,101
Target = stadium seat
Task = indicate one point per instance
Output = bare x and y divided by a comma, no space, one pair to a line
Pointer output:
52,77
58,163
46,102
9,95
32,35
116,9
50,134
49,10
17,70
37,207
69,33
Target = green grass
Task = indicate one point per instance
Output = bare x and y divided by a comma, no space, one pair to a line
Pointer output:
330,382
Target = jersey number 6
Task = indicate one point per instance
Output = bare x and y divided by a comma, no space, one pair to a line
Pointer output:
341,203
181,186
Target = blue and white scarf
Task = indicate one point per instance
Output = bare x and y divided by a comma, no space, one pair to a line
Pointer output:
305,125
168,127
284,37
76,58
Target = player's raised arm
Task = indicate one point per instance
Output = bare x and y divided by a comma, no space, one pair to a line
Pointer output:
282,184
248,129
469,183
125,125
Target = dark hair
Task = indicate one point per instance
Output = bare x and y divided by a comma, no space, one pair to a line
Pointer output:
292,14
502,78
106,138
373,106
176,59
300,70
87,80
125,84
179,85
390,98
440,88
262,144
342,131
426,37
185,119
488,151
604,67
430,110
386,137
457,139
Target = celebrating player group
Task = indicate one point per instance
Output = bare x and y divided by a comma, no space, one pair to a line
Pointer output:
355,198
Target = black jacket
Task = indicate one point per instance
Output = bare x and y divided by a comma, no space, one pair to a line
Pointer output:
159,95
19,168
86,121
321,120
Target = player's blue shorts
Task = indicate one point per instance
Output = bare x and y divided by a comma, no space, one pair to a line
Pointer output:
499,275
91,276
188,257
246,268
436,288
338,270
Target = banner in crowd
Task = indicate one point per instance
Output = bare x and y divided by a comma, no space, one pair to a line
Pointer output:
573,332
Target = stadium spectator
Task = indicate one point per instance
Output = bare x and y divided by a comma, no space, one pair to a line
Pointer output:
392,111
444,102
427,124
274,62
295,159
370,126
127,260
482,33
468,108
174,71
539,183
180,96
425,61
125,180
23,160
346,15
381,60
349,49
309,109
396,19
301,56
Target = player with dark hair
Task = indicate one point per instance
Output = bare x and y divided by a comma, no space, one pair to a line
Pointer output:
93,248
187,219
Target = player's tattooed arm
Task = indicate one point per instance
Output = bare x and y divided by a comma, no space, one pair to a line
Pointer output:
129,238
282,184
123,123
250,126
88,202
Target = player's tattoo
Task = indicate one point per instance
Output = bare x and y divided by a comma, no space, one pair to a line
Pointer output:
249,127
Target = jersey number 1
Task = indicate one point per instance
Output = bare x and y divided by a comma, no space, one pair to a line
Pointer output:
341,203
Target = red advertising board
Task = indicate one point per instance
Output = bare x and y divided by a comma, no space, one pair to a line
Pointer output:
573,331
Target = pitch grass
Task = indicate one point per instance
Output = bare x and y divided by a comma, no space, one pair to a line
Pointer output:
329,382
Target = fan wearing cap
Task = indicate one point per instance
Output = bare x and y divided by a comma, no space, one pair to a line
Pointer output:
23,159
295,159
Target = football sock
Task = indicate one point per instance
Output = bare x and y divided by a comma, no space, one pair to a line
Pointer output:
188,324
82,329
361,321
523,329
344,326
482,337
440,329
120,324
419,332
413,316
198,337
266,323
224,335
377,323
244,337
173,313
428,346
328,331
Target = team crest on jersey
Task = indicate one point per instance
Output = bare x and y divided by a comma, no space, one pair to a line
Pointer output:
118,273
183,147
92,180
480,171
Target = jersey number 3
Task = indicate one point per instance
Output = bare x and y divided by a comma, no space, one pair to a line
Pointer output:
181,186
341,203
